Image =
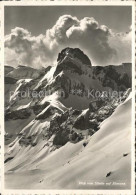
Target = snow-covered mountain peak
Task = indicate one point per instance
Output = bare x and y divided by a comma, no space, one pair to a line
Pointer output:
67,114
74,60
74,53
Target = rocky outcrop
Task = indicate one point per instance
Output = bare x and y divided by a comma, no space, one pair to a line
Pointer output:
47,112
18,114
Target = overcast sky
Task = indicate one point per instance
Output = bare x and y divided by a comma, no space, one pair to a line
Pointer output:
35,35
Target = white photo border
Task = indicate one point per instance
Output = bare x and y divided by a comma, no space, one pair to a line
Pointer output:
66,3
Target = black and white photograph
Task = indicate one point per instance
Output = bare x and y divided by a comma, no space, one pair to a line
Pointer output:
68,92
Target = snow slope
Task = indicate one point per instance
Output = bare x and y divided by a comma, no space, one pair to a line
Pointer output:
74,166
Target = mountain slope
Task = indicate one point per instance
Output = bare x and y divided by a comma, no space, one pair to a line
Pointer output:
71,81
23,72
109,150
62,114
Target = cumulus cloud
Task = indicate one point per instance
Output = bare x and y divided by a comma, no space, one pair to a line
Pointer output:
100,43
27,49
122,43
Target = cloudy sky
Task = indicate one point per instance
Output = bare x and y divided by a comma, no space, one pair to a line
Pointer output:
35,35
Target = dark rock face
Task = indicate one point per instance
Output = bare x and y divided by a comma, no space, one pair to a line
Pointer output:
26,141
18,114
72,59
38,108
46,69
7,69
49,112
68,65
61,138
82,122
8,159
74,53
119,75
76,112
9,80
95,105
